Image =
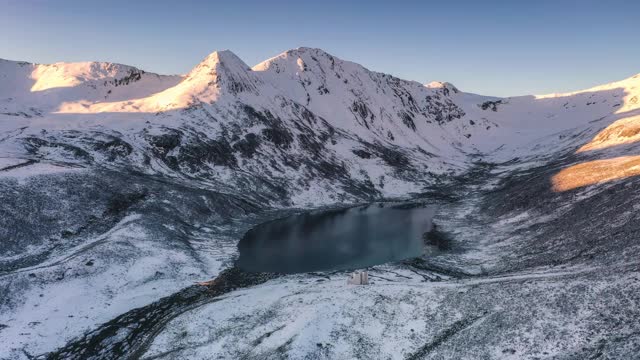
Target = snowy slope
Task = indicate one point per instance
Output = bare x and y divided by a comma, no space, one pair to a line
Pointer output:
43,88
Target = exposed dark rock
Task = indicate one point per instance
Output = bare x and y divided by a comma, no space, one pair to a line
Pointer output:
36,146
360,109
120,203
393,158
312,144
165,142
23,164
438,239
247,146
363,154
133,76
114,148
443,110
279,136
407,119
493,105
198,153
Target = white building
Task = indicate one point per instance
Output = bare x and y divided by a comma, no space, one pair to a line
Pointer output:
359,278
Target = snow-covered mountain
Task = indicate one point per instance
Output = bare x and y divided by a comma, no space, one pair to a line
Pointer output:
119,187
310,125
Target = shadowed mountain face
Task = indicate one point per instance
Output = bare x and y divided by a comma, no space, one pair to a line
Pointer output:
122,188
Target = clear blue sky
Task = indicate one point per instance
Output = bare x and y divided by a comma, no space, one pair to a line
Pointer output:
489,47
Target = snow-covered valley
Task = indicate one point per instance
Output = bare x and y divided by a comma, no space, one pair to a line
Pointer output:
125,193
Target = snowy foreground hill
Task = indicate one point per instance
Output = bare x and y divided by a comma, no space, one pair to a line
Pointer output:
123,192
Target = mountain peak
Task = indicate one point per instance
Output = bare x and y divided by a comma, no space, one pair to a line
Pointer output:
297,60
222,59
309,50
221,69
442,85
222,55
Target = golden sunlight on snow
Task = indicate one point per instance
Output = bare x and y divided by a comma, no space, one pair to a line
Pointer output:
177,97
624,131
146,105
200,85
596,172
52,76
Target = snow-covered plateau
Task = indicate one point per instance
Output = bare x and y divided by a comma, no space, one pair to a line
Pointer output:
123,195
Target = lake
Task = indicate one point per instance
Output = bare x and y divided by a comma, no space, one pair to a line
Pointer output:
338,239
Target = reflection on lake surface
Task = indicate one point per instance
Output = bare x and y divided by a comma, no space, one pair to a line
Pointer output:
337,239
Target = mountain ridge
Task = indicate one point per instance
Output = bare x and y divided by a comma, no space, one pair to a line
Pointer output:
290,52
224,119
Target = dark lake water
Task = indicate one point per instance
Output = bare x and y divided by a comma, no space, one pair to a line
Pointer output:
341,239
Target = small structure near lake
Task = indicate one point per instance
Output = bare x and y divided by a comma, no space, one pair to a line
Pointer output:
359,278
